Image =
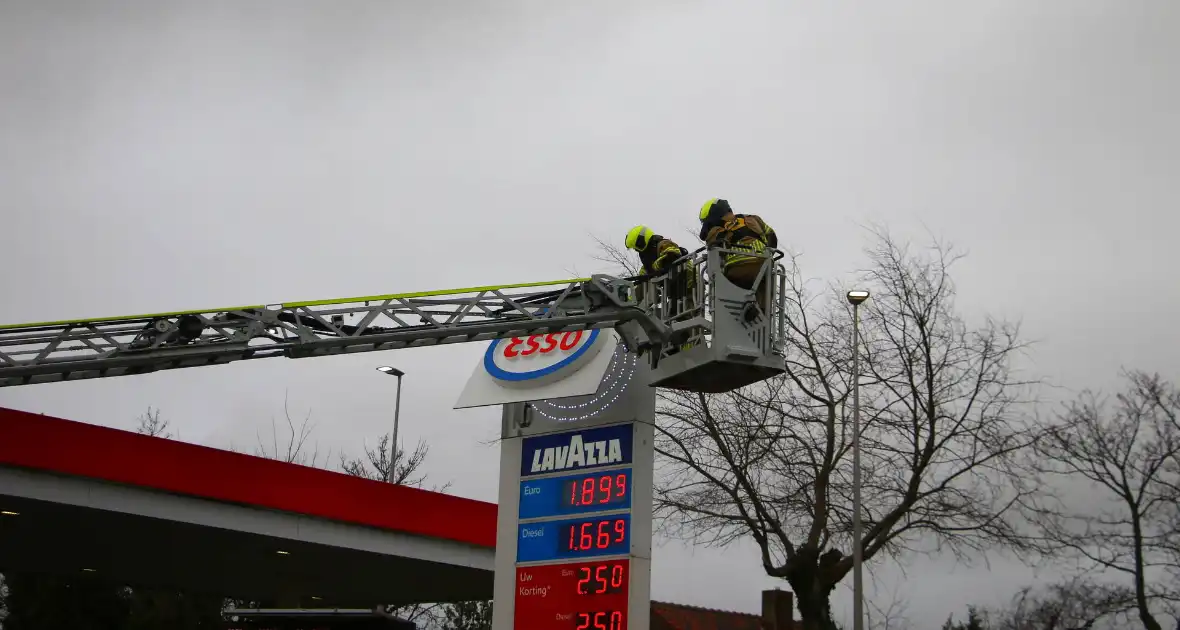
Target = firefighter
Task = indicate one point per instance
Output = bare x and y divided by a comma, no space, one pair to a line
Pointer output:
657,255
720,227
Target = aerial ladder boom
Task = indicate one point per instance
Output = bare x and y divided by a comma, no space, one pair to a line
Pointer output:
116,346
639,310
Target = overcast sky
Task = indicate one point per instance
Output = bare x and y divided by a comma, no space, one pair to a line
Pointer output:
165,155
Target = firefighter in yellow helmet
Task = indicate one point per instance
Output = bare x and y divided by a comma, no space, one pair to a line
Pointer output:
657,255
720,227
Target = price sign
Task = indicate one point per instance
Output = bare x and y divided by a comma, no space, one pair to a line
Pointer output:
558,540
579,596
575,494
575,564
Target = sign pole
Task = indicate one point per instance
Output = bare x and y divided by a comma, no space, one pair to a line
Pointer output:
573,542
504,588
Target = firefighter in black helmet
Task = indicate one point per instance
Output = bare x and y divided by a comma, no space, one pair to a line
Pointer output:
720,227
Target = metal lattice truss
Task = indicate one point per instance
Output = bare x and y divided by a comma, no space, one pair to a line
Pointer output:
80,349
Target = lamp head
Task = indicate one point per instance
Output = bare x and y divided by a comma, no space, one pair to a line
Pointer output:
388,369
857,296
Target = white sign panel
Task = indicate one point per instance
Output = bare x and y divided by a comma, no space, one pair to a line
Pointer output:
539,367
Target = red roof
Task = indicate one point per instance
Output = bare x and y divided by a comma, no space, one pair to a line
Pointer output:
55,445
665,616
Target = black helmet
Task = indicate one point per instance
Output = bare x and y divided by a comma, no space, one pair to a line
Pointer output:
711,214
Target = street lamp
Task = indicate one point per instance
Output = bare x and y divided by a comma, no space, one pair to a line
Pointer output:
397,407
855,298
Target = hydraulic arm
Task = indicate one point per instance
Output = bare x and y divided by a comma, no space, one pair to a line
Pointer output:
116,346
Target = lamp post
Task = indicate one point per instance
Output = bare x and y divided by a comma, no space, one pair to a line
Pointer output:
397,407
855,298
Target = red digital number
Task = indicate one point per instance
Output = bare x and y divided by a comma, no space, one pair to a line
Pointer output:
590,535
607,578
600,581
601,489
584,580
600,620
603,539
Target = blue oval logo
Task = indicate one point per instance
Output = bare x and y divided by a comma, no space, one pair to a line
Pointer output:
540,347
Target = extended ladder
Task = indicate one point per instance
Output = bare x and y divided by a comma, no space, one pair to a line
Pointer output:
728,351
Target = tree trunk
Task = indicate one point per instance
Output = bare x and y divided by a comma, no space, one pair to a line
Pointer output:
815,611
809,576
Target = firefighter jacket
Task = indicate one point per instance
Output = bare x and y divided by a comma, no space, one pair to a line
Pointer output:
742,232
659,254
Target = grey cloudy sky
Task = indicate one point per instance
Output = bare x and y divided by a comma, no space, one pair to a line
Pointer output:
166,155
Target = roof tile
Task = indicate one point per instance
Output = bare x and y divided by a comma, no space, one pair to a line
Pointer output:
666,616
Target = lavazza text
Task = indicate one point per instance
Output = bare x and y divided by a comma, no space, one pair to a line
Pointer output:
577,454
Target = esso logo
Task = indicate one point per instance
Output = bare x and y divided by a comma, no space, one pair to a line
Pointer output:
538,359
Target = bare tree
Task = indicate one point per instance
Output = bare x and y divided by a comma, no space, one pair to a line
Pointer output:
426,616
977,619
888,616
475,615
294,444
406,471
942,437
375,464
617,257
1128,454
1076,604
151,423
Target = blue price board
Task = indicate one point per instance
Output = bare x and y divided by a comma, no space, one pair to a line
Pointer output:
576,494
571,451
578,538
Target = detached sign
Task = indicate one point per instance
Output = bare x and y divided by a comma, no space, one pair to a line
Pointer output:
540,359
540,367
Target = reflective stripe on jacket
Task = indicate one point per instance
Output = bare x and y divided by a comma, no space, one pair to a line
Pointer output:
659,254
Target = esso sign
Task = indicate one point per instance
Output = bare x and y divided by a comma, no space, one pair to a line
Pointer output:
538,359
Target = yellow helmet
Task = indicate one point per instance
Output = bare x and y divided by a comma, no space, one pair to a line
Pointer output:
639,237
708,207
